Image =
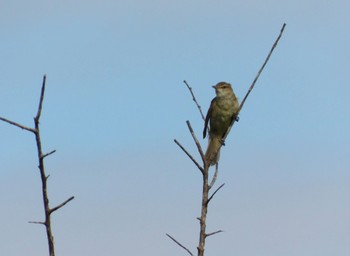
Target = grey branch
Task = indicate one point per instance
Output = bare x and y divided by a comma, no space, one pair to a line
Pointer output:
195,100
196,140
61,205
37,117
189,155
215,176
214,233
37,222
18,125
41,166
179,244
211,197
50,153
255,80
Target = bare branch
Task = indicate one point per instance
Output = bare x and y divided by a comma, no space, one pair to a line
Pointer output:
189,155
213,233
37,117
180,244
37,222
215,192
18,125
195,100
205,169
50,153
255,79
215,176
262,67
196,141
61,205
41,167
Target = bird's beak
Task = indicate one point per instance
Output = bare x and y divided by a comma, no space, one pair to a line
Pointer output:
214,86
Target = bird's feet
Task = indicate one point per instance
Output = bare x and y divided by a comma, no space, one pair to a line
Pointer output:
222,141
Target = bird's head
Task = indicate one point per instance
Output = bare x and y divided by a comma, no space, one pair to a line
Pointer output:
222,89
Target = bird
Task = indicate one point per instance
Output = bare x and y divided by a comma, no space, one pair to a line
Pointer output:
223,109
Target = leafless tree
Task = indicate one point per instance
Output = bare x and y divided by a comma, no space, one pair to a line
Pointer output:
204,168
43,176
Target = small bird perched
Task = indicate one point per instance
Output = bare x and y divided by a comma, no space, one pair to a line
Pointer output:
222,110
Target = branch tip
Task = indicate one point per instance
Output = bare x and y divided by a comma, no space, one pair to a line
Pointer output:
214,233
211,197
179,244
61,205
194,99
189,155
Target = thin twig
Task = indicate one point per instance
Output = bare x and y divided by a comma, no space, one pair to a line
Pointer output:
50,153
41,156
37,222
213,233
263,66
18,125
179,244
196,141
61,205
215,192
194,99
255,79
189,155
37,117
215,176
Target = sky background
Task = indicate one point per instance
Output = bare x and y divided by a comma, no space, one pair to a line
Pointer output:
115,100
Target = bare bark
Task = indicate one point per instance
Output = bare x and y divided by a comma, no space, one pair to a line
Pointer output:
43,176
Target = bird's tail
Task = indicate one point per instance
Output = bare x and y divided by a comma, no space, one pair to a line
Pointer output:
212,154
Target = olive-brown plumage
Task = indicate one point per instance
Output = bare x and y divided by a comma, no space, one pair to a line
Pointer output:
222,110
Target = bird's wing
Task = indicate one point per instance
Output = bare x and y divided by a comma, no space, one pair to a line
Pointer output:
207,118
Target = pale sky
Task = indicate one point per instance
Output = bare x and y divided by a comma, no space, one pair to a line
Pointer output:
115,101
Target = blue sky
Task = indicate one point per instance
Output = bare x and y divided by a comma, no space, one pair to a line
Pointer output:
115,101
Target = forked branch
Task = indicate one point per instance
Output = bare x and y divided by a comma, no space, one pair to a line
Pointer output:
205,168
44,177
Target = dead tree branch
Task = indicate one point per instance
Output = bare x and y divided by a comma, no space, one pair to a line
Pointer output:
189,155
215,176
211,197
254,81
206,186
195,100
50,153
214,233
61,205
37,222
18,125
196,140
179,244
44,177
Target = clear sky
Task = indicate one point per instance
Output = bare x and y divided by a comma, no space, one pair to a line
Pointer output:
115,101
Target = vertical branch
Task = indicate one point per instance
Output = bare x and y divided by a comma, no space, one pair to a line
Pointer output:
204,212
43,176
205,194
37,117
